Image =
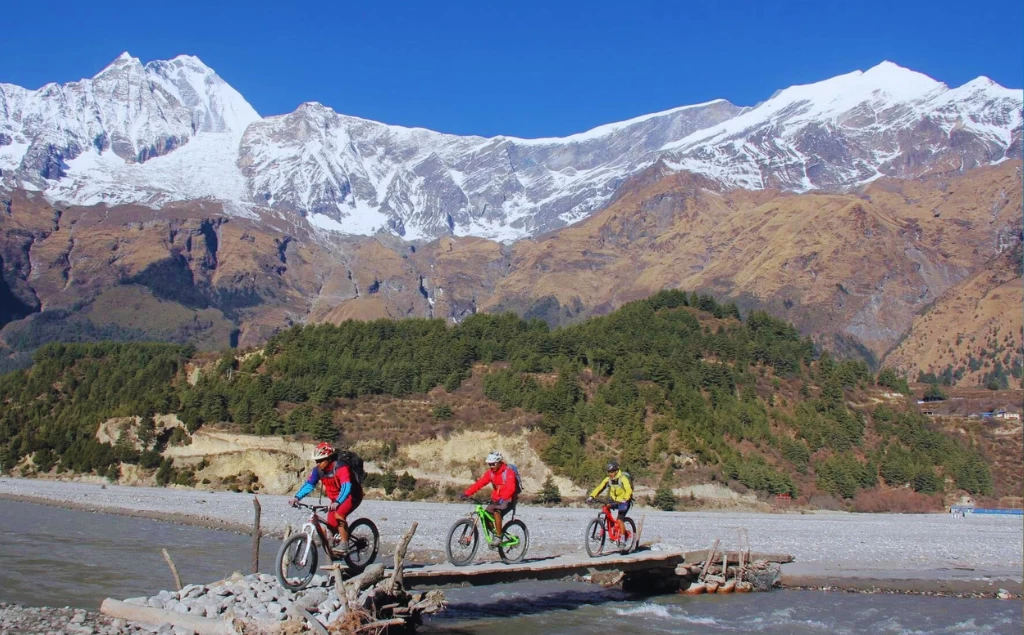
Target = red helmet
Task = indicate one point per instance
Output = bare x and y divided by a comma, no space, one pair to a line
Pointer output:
323,451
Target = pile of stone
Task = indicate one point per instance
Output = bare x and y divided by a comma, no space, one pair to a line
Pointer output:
253,598
257,603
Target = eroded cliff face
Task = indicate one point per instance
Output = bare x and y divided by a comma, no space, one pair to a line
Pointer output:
850,270
191,273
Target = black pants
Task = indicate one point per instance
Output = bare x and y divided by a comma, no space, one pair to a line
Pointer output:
505,509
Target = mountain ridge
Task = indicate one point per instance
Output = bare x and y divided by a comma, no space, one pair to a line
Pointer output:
181,133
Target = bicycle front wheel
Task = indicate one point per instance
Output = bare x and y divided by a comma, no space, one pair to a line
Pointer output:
629,540
463,541
296,564
593,538
363,542
515,542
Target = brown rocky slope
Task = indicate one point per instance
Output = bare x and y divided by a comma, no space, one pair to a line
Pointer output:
852,270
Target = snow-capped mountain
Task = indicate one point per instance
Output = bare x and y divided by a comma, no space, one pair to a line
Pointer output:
175,131
94,140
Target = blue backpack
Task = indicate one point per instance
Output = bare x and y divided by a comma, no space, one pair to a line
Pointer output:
519,479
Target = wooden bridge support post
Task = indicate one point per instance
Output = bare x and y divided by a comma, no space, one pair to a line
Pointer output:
256,535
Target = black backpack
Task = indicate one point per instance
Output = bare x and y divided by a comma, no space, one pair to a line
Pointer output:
355,465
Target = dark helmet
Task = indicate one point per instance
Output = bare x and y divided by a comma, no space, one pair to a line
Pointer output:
613,467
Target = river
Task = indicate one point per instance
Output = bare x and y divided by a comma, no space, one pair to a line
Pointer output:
57,557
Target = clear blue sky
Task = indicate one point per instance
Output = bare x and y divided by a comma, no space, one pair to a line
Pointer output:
519,68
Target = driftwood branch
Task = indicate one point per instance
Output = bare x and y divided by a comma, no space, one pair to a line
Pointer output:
371,576
150,615
174,569
380,625
400,550
313,622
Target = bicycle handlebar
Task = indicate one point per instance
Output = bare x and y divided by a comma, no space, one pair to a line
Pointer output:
315,508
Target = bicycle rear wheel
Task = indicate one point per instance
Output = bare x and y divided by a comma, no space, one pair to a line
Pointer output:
629,543
463,541
363,542
593,538
516,540
294,566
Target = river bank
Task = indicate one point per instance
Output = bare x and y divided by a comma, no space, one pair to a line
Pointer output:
932,553
15,618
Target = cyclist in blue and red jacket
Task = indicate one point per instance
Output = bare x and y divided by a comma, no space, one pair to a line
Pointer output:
343,491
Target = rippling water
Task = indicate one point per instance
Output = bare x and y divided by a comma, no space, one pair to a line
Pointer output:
57,557
555,608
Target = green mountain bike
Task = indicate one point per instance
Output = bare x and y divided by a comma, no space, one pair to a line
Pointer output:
464,538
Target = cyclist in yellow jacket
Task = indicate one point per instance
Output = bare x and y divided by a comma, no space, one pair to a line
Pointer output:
620,490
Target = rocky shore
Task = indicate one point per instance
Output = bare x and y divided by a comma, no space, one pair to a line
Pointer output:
926,554
832,542
69,621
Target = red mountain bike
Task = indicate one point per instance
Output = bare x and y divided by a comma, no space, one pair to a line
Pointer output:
604,529
297,559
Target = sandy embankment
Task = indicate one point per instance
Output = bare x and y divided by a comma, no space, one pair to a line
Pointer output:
927,553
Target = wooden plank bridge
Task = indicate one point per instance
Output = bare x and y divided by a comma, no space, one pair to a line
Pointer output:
550,568
653,563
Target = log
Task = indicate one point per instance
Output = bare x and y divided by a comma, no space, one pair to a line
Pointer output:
403,545
339,583
154,616
371,576
695,589
256,536
174,569
707,561
728,587
313,622
701,555
380,625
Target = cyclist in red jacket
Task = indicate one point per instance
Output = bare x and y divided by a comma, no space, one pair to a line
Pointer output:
503,495
345,494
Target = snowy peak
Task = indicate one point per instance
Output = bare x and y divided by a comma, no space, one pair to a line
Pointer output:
851,129
216,106
174,130
133,111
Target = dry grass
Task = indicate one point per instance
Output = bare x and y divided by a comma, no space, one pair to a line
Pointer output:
903,501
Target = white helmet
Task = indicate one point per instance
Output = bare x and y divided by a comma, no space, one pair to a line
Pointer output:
493,457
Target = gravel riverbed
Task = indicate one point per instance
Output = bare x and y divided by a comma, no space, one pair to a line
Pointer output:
919,544
827,546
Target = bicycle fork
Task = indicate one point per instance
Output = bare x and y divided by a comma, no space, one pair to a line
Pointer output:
307,529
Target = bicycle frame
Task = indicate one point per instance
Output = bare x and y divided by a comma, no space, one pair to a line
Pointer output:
486,520
317,525
611,526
